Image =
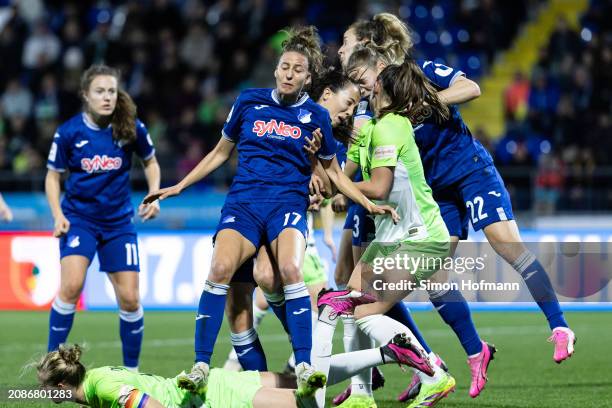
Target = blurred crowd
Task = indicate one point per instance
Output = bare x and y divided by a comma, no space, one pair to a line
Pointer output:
184,62
558,118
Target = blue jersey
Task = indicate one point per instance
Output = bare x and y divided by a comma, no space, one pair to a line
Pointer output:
448,150
272,163
98,187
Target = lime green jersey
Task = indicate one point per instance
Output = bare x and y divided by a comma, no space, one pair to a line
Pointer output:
389,142
113,387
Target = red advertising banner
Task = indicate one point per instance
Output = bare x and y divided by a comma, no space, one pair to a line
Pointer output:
29,270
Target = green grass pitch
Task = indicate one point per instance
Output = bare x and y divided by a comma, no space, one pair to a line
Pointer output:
522,375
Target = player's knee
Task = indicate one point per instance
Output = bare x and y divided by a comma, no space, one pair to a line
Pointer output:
290,273
70,291
264,276
221,272
130,302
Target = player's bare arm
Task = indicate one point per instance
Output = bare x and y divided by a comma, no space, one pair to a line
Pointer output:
461,90
61,225
219,155
348,188
379,185
153,176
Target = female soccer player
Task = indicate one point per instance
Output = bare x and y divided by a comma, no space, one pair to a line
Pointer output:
468,188
334,91
391,167
96,148
62,373
268,198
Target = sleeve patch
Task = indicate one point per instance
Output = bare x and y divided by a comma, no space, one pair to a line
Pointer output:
53,152
229,115
385,152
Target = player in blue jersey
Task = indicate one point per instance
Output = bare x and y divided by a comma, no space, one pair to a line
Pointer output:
468,188
267,202
337,93
95,147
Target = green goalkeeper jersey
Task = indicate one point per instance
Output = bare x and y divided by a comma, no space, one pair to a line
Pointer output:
112,387
389,142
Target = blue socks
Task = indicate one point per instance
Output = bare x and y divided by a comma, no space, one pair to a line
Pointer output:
131,331
277,303
401,313
249,350
299,320
60,323
541,289
209,319
454,310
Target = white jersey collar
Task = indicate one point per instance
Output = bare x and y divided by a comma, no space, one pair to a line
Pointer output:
299,102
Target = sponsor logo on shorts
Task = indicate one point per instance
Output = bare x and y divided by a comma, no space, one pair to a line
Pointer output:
495,193
299,312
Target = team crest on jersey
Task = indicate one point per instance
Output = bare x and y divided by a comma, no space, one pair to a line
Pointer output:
272,127
101,163
304,116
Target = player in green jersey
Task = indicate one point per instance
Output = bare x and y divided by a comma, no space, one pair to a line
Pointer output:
403,253
120,387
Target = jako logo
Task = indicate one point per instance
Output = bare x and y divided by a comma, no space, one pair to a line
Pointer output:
262,128
103,163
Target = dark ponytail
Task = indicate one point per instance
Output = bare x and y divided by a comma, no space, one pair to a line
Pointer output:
411,93
335,80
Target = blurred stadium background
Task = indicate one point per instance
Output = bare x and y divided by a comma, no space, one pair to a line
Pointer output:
545,114
545,70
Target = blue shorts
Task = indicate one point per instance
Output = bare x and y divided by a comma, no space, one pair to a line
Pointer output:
480,198
117,247
260,223
357,219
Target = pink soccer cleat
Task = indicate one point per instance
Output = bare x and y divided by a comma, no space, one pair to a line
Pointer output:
343,302
564,340
414,387
343,396
478,366
400,349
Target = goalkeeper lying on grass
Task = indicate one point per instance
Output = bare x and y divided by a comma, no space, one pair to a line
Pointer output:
113,387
